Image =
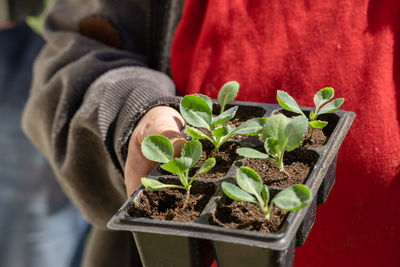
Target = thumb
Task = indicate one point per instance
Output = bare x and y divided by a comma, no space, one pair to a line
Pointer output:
178,143
161,120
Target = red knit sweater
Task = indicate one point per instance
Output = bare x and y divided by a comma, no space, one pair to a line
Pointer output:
301,47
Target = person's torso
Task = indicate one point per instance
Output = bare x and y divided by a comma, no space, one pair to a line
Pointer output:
301,47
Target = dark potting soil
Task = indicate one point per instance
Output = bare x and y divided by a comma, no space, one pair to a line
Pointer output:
224,159
243,114
298,163
320,136
246,216
318,139
168,204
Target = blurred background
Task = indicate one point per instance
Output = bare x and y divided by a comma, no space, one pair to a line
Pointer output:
39,226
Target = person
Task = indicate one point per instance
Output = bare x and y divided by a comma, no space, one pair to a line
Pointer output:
109,74
39,226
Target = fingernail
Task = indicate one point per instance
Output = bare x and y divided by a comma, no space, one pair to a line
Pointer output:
178,143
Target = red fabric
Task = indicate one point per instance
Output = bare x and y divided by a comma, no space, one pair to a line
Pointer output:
300,47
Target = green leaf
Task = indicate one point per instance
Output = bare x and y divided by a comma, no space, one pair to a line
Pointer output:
227,94
318,124
295,131
251,153
287,102
155,185
275,127
251,127
206,166
207,99
195,133
221,131
36,23
196,111
323,96
292,198
157,148
331,106
265,194
225,116
249,180
178,165
271,146
312,116
235,193
192,150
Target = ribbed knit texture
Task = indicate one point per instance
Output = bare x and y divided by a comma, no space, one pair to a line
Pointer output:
128,93
301,47
82,127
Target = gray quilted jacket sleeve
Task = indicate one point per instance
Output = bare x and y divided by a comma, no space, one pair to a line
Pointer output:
91,85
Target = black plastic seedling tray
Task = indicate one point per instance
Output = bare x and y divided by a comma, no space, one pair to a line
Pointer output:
169,243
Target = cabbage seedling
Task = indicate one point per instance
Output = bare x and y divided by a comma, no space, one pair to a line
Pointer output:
321,98
279,134
159,149
251,189
197,111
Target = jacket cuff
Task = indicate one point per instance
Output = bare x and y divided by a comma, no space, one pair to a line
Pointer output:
132,113
129,92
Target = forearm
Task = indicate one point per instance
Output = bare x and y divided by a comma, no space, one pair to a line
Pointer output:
85,101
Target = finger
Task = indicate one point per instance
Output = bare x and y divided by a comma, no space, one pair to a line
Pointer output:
137,167
178,144
160,120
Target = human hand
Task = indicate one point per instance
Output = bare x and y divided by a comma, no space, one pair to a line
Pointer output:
160,120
